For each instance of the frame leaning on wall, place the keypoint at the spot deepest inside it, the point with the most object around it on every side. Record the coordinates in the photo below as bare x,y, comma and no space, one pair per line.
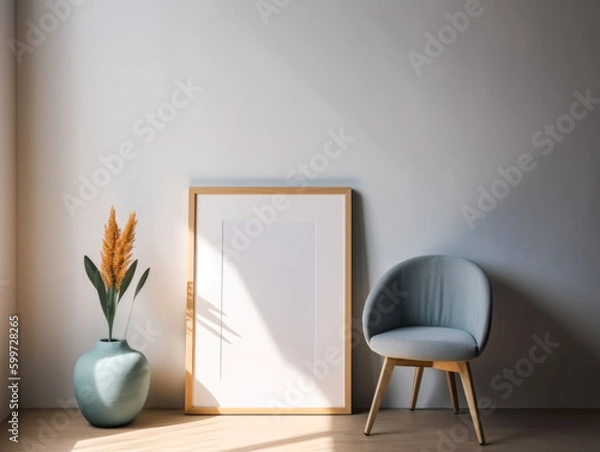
268,323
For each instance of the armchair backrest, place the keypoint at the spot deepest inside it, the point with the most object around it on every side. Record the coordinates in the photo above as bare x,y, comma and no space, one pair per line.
444,291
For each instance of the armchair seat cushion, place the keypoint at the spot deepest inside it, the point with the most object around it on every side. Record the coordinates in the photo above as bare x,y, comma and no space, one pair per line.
425,343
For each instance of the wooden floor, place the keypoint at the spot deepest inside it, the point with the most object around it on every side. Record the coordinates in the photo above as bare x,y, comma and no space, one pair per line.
394,430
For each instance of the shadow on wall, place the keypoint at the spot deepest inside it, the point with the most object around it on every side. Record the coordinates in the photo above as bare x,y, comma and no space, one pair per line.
365,364
532,351
530,355
533,357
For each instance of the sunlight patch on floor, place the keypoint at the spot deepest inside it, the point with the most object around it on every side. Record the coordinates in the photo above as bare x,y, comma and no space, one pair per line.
243,434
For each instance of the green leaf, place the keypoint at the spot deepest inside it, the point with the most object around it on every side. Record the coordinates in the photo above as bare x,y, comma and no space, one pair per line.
141,282
101,288
98,282
90,269
127,278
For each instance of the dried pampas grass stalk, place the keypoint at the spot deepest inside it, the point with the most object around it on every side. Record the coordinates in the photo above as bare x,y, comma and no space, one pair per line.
124,250
111,236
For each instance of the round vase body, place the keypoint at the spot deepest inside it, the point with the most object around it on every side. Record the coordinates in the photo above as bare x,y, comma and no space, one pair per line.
111,383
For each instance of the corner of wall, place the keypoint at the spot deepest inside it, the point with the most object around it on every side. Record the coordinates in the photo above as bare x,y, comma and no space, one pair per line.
8,192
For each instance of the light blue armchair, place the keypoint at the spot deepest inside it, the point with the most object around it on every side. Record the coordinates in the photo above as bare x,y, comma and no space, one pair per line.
429,311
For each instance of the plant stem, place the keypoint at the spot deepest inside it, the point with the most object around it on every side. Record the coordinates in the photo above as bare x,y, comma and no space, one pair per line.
129,318
112,308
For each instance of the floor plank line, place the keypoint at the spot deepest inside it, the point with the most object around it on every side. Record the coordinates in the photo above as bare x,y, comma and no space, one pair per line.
420,431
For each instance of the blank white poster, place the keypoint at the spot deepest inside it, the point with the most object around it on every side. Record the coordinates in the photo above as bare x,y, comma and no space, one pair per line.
268,299
270,303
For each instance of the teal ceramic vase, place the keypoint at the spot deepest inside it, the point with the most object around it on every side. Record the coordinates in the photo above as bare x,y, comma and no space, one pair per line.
111,383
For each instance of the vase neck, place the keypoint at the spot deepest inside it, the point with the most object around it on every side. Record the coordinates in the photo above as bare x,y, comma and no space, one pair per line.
114,344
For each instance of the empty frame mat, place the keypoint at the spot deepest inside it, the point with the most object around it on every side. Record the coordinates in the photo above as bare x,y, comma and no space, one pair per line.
269,301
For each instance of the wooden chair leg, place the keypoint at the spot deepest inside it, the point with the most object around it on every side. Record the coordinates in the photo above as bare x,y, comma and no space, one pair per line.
452,388
384,379
467,382
416,386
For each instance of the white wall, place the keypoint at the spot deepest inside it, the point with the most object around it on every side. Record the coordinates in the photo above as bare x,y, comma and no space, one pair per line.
8,196
271,92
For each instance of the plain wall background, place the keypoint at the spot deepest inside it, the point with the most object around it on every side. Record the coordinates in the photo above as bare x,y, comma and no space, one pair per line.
271,92
8,186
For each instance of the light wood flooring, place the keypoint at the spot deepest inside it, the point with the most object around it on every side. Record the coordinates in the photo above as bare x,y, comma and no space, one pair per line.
394,430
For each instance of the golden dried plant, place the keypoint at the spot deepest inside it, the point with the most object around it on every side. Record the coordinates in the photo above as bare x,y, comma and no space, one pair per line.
111,236
117,250
124,250
116,269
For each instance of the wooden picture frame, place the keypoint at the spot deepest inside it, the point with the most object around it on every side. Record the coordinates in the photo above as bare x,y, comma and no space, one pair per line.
268,324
